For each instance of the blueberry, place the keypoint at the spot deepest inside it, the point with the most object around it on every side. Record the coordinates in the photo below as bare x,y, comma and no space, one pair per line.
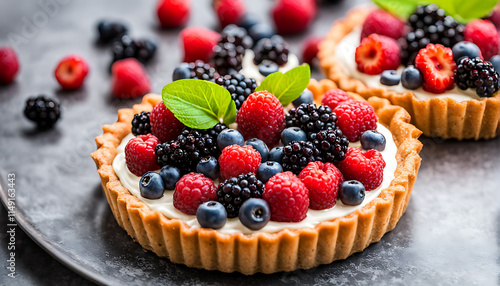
268,67
276,154
211,214
411,78
109,30
209,166
151,186
229,137
372,139
465,49
495,61
254,213
305,97
352,193
170,176
390,77
292,134
248,21
260,146
181,72
260,31
267,170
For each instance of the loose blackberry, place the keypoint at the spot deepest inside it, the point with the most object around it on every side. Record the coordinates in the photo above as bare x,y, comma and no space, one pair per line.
239,86
126,47
233,192
42,110
478,74
274,49
202,70
237,36
227,58
332,144
311,119
298,154
141,124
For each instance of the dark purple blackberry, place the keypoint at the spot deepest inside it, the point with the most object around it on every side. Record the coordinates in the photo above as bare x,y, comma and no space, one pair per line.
173,153
227,58
110,30
42,110
332,144
237,36
233,192
298,154
274,49
141,124
478,74
126,47
239,86
202,70
311,119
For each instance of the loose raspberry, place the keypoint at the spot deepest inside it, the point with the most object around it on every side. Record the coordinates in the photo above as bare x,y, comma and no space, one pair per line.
485,35
287,197
436,64
382,23
236,160
292,16
334,97
140,154
198,43
310,49
9,65
367,167
261,116
129,79
377,53
323,182
173,13
354,118
229,11
191,191
164,125
71,72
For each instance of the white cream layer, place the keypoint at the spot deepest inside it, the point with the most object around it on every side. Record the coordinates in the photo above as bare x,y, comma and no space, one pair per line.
249,69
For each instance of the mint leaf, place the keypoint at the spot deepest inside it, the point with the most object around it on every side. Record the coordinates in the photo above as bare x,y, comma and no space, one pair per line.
198,103
287,87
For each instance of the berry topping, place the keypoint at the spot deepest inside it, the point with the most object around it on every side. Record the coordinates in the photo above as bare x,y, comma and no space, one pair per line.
238,86
436,64
126,47
9,65
333,97
366,167
164,125
274,49
211,214
354,118
311,119
376,54
306,97
172,13
310,49
411,78
298,154
198,43
260,31
260,146
254,213
170,176
140,154
291,16
236,160
331,143
197,70
465,49
191,191
478,74
372,139
352,193
42,110
485,35
227,58
229,137
267,170
323,181
182,72
390,78
248,21
229,11
495,61
382,23
129,79
110,30
233,192
71,72
209,166
287,196
141,124
151,186
268,67
276,154
292,134
237,36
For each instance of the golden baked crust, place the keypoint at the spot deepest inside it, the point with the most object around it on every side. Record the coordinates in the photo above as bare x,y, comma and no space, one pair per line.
436,117
285,250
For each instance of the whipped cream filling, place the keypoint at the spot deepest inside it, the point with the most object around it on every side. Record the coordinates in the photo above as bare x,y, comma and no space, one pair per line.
233,225
249,69
345,55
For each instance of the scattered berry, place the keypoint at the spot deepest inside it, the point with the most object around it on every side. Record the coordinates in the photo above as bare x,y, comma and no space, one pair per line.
164,125
191,191
276,154
110,30
292,134
170,176
390,78
291,16
211,214
173,13
260,146
140,154
248,21
254,213
298,154
238,86
141,124
478,74
273,49
268,67
229,11
436,64
376,54
9,65
260,31
181,72
311,119
129,79
198,43
237,36
352,193
331,143
485,35
310,49
305,97
126,47
465,49
236,160
151,186
229,137
197,70
371,139
42,110
333,97
233,192
366,167
382,23
287,196
354,118
209,166
71,72
411,78
323,181
227,58
267,170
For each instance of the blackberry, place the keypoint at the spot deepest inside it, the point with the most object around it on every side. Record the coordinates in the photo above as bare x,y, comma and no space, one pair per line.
311,119
227,58
478,74
141,124
274,49
232,193
239,86
172,153
332,144
298,154
201,70
42,110
237,36
109,30
126,47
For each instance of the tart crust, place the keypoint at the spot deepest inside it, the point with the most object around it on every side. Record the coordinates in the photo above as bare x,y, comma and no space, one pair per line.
285,250
436,117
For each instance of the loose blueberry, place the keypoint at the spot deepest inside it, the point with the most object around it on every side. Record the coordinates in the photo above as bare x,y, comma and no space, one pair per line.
209,166
352,193
229,137
181,72
411,78
292,134
305,97
170,176
372,139
260,31
390,78
254,213
276,154
267,170
260,146
211,214
248,21
268,67
465,49
151,186
495,61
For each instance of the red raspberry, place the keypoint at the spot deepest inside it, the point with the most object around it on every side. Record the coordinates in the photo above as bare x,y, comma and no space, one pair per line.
323,181
236,160
129,79
229,11
9,65
198,43
354,118
436,64
164,125
367,167
377,53
292,16
287,197
334,97
261,116
140,154
310,49
71,72
191,191
383,23
485,35
173,13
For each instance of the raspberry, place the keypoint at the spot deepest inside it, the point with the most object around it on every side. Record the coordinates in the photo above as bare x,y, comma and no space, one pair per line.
129,79
42,110
191,191
323,181
287,196
229,11
141,125
236,160
71,72
198,43
261,116
232,193
173,13
367,167
382,23
9,65
334,97
164,125
292,16
485,35
436,64
354,118
310,49
376,54
140,154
